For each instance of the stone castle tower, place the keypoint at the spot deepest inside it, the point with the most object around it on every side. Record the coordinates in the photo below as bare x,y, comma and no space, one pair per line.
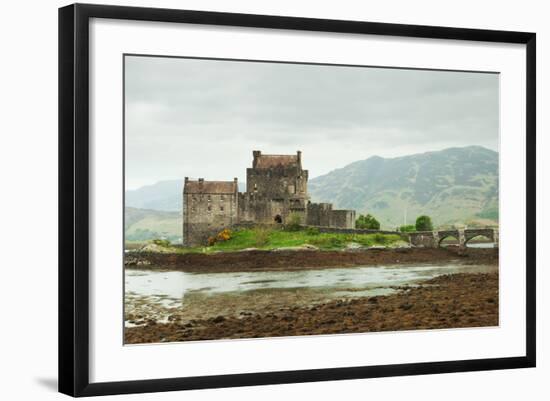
276,188
208,207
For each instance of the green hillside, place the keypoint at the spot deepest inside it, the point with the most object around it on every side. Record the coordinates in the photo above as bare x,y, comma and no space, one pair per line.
453,185
144,224
163,195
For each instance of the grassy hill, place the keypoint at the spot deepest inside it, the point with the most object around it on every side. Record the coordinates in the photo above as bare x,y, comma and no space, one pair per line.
452,185
163,195
145,224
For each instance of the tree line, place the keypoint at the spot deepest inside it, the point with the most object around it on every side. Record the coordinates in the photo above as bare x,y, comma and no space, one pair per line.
369,222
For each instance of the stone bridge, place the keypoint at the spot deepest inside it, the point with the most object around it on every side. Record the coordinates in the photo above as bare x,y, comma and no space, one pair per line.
432,239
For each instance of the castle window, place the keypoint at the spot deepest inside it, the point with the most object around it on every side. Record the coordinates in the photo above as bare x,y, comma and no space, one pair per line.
209,199
209,208
221,208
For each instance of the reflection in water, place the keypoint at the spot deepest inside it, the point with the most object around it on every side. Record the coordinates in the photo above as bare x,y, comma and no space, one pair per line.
445,244
175,285
480,244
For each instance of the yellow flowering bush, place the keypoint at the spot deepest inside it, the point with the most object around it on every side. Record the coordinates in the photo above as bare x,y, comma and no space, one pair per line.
224,235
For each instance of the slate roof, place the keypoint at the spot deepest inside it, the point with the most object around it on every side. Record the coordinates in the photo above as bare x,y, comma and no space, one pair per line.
270,161
210,187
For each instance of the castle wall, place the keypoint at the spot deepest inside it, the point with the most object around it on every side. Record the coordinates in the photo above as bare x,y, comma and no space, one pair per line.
322,215
206,214
318,214
339,230
342,218
254,208
263,210
276,182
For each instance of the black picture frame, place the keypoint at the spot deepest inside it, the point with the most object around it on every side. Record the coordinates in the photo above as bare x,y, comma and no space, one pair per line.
74,198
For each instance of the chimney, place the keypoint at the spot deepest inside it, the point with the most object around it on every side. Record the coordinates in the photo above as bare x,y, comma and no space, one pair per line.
299,157
201,182
256,154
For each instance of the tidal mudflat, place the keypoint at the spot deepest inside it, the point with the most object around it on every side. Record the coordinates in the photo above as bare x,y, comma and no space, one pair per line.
163,305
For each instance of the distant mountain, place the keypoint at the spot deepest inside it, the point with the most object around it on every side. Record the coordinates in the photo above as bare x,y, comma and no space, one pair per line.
144,224
164,195
452,185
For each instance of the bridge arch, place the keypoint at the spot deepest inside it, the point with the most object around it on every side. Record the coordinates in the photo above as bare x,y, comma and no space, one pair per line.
447,234
487,233
446,237
489,240
434,239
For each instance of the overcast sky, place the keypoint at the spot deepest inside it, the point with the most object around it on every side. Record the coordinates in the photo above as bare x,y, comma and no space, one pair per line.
203,118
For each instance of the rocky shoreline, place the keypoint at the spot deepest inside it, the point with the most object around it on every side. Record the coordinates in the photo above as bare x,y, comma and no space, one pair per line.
257,260
449,301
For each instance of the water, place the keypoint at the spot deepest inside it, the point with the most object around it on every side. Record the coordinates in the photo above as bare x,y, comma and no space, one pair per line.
480,245
169,287
470,244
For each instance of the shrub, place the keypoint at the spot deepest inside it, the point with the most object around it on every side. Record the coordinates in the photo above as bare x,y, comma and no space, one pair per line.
294,222
224,235
367,222
424,223
312,231
407,228
161,242
380,238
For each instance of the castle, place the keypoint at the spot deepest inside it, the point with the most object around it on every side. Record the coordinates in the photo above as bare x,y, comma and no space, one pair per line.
276,188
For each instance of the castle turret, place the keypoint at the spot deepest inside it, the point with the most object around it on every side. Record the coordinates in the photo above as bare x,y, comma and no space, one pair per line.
256,155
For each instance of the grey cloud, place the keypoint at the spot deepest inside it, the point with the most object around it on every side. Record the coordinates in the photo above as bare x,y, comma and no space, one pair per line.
224,109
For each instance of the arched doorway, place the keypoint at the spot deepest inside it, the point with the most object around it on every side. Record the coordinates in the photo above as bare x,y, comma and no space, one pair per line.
278,219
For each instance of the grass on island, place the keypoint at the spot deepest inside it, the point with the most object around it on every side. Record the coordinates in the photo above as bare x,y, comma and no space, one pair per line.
267,238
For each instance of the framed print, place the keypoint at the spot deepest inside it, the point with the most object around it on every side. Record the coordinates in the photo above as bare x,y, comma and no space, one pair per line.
251,199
